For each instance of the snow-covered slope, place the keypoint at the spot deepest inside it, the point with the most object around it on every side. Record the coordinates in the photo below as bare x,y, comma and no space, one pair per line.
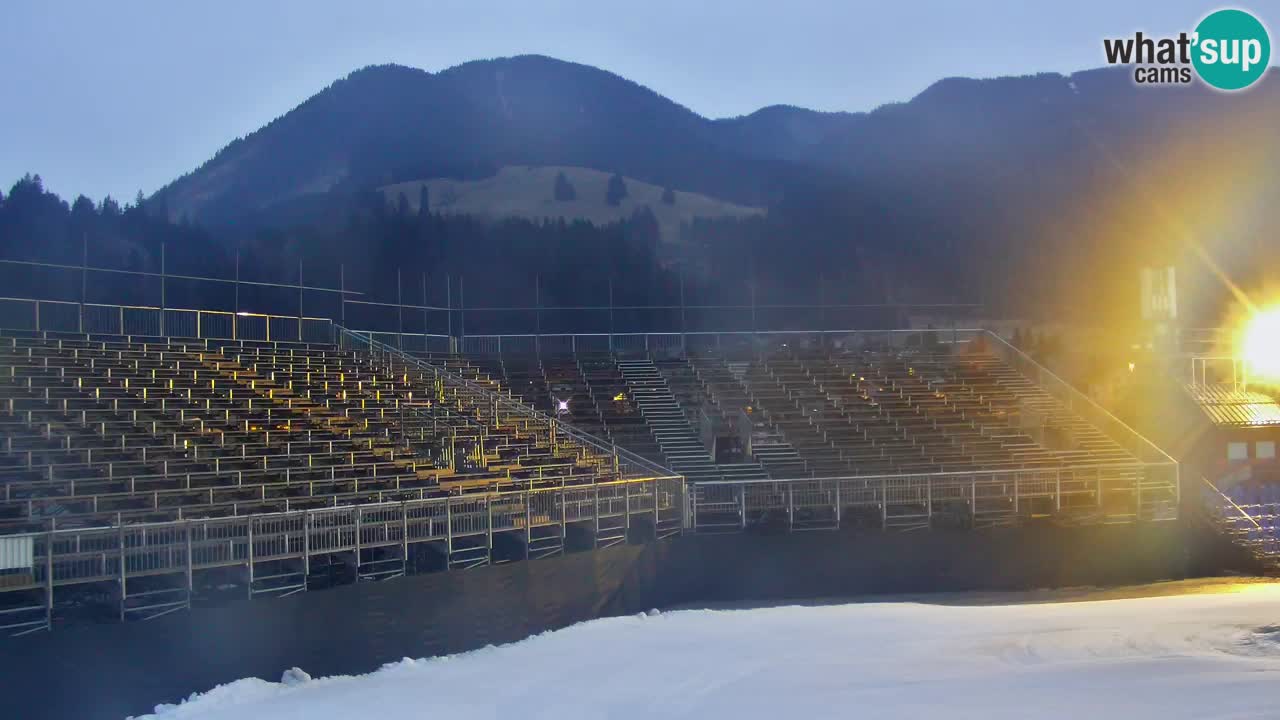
1193,656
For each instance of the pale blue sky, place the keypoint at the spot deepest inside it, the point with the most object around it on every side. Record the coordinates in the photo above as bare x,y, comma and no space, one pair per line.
102,97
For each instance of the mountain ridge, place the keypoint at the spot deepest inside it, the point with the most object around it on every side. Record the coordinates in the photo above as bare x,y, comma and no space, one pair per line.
1021,184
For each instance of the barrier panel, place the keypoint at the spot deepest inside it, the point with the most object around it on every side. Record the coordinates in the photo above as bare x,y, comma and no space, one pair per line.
61,558
58,316
1121,492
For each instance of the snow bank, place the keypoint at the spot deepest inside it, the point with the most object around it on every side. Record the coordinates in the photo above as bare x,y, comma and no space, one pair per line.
1169,657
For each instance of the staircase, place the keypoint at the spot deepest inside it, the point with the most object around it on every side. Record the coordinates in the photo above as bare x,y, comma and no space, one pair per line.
678,442
693,396
1249,518
724,383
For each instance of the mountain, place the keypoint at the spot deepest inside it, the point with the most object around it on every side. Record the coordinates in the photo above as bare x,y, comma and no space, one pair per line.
1059,188
388,124
784,132
1005,191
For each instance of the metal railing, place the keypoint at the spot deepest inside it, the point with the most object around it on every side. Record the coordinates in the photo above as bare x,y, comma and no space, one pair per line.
700,340
59,316
120,554
1120,492
1143,490
1079,403
1243,528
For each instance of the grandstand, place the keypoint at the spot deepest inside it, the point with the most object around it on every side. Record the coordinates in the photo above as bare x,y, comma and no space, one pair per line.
269,457
1231,444
142,472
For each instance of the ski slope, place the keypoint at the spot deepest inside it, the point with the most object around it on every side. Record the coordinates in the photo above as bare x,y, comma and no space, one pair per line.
1189,656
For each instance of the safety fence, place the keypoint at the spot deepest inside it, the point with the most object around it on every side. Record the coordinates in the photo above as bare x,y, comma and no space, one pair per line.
126,553
57,316
1110,493
708,341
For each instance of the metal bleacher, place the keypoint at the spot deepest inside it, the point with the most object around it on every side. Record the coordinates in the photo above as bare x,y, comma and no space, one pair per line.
1248,513
874,413
142,462
148,470
881,413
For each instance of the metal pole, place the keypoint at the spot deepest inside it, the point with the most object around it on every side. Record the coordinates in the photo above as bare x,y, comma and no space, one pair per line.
249,560
306,550
822,308
299,300
400,310
404,529
342,293
462,313
84,279
610,313
162,289
190,562
48,576
537,314
448,303
235,319
684,340
124,582
425,321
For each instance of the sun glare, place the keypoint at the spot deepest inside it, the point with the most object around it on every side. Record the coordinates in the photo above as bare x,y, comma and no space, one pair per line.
1260,345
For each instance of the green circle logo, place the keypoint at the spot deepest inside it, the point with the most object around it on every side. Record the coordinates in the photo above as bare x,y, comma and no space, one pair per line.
1232,49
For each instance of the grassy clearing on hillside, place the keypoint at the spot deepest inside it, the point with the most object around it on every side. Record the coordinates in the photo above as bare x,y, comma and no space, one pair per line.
529,192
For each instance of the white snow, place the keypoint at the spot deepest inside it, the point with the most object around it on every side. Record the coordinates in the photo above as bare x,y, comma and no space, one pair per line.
1189,656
